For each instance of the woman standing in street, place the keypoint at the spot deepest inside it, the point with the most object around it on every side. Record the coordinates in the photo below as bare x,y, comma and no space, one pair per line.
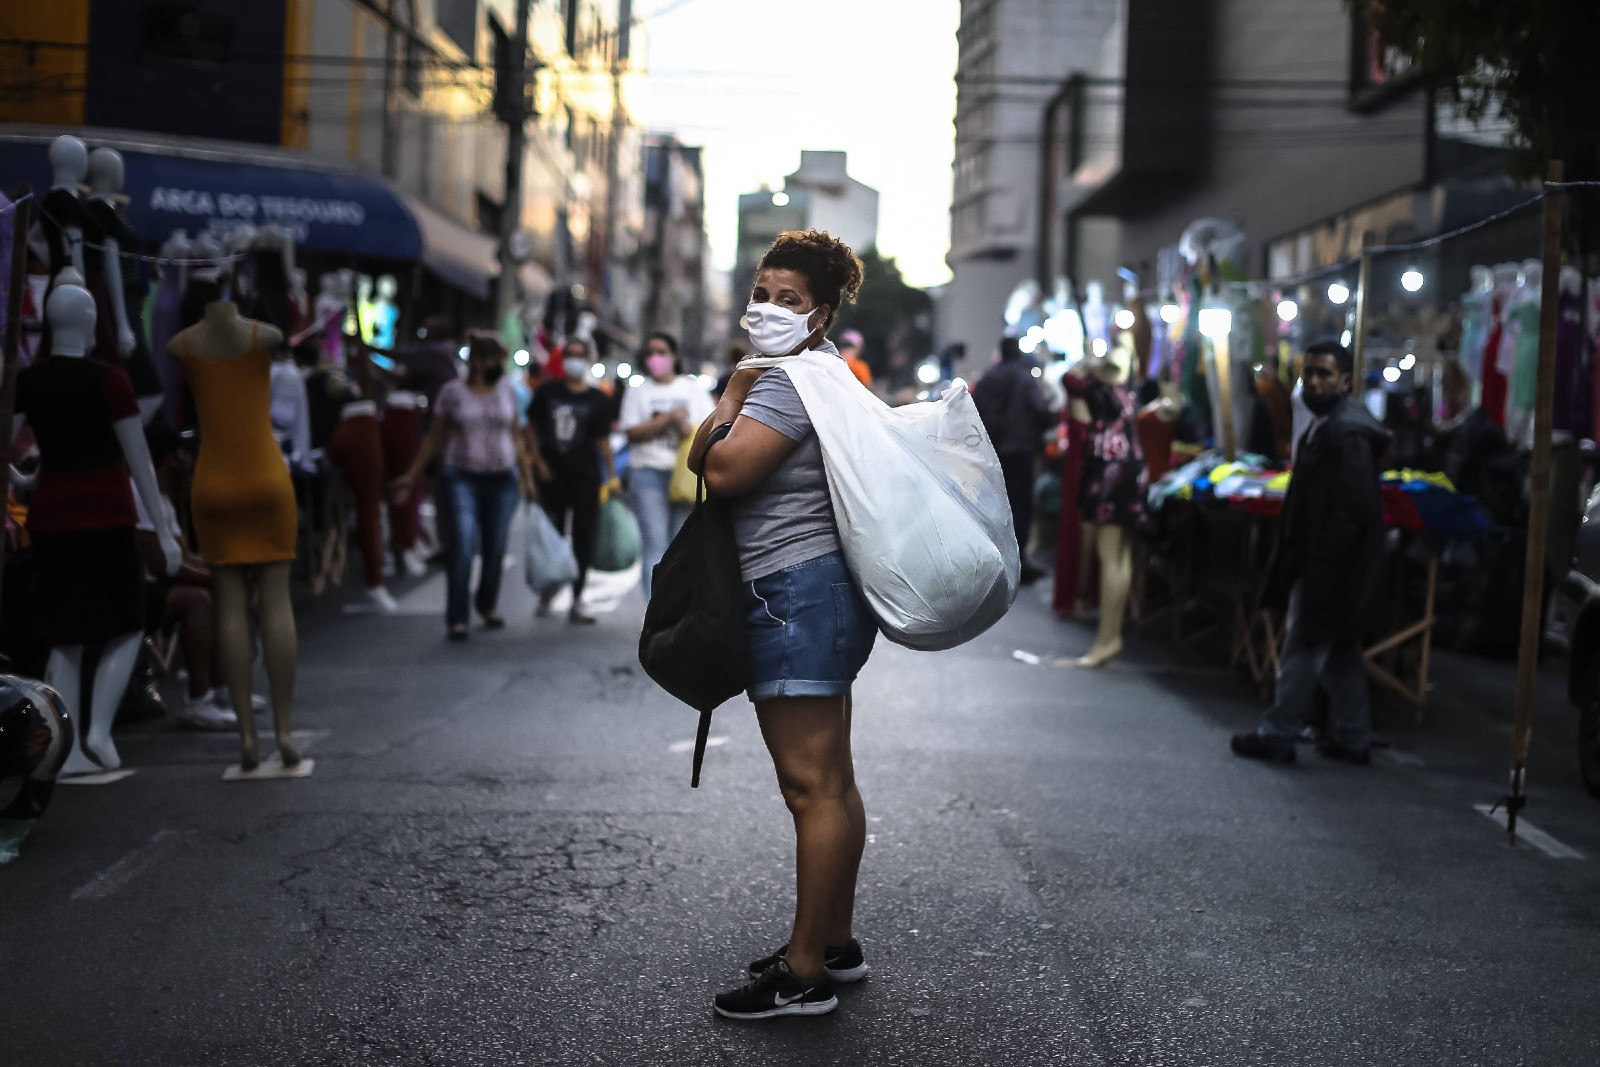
810,630
569,432
475,427
657,416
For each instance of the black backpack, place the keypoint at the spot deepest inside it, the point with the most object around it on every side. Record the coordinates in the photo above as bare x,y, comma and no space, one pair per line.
694,643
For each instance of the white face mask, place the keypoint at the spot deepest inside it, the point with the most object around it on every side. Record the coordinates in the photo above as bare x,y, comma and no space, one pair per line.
775,330
575,368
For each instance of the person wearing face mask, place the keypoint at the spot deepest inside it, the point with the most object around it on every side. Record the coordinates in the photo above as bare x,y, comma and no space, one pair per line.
1326,569
656,416
475,428
810,630
569,433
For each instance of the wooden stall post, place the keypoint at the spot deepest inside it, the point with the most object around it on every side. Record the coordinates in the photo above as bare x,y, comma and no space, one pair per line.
1539,513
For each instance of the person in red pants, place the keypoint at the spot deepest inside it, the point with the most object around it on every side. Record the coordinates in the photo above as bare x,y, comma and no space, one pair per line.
402,438
357,450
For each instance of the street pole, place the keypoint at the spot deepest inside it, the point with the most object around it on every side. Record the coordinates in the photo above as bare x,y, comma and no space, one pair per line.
516,148
1358,339
1539,512
12,352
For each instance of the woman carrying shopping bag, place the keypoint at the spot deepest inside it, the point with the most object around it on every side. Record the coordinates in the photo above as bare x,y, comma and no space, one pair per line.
569,432
810,631
658,416
475,427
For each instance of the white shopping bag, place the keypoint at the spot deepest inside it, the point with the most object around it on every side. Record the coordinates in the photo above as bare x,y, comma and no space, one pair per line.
547,559
920,501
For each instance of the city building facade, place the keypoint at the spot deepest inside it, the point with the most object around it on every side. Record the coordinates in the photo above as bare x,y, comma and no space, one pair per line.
820,195
333,114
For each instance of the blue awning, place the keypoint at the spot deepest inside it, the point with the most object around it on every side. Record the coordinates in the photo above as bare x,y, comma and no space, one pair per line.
328,211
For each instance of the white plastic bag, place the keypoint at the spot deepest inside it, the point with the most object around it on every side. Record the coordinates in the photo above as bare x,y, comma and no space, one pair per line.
920,501
547,559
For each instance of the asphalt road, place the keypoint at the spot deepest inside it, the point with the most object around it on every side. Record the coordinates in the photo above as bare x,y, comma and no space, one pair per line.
499,861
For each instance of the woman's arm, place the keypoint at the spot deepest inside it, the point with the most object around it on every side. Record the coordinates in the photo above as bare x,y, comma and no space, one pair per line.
743,460
433,443
726,411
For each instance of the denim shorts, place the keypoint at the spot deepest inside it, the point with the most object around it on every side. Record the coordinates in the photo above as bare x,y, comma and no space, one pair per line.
810,630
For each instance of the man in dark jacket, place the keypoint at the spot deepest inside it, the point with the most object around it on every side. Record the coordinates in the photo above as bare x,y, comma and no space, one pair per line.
1327,567
1015,412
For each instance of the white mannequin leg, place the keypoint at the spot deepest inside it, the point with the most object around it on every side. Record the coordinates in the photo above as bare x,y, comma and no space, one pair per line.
63,674
95,751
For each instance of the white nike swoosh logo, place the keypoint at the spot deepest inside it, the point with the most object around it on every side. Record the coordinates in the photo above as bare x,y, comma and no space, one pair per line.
783,1001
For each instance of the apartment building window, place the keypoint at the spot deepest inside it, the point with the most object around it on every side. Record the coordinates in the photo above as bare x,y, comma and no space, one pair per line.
186,34
1379,71
459,21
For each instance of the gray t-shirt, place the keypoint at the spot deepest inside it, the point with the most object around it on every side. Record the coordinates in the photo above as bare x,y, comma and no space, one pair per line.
788,518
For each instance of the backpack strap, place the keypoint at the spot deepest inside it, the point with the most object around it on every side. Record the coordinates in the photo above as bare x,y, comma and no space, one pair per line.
700,735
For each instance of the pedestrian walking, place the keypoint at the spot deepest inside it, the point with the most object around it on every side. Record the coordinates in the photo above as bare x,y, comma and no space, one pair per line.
485,470
569,433
1015,412
850,343
810,631
657,416
1326,568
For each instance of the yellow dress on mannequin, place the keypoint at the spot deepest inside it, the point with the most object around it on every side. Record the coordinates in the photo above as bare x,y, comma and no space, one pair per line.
243,499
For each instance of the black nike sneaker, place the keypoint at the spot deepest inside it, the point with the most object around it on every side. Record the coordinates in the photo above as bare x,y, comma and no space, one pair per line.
776,991
844,963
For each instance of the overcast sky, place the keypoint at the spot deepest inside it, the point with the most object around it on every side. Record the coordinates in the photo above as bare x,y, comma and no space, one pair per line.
754,83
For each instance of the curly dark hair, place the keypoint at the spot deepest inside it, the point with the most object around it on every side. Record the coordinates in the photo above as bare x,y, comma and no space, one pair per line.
831,269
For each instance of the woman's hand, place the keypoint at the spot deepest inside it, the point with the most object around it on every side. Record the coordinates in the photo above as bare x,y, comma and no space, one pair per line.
530,488
743,380
401,489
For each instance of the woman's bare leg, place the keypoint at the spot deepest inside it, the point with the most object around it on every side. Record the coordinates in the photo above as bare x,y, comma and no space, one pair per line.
809,739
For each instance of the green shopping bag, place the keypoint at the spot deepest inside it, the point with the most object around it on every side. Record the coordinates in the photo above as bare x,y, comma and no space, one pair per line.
616,546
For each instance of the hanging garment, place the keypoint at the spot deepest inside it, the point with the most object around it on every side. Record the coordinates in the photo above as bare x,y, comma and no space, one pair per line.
1495,386
81,522
103,224
1114,475
1524,386
1475,322
165,322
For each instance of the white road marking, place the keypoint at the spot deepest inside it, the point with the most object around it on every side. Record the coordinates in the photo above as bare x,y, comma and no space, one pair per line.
127,868
688,746
1530,833
100,778
1405,759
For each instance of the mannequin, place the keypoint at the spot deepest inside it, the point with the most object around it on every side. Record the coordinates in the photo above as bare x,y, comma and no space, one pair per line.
1476,312
35,737
384,314
271,258
63,219
1569,344
1495,384
365,308
1158,429
117,283
1519,352
1096,315
330,317
299,304
244,512
89,433
166,319
1112,496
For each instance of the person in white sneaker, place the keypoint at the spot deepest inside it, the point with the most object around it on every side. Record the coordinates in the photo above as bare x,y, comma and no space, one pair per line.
183,598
